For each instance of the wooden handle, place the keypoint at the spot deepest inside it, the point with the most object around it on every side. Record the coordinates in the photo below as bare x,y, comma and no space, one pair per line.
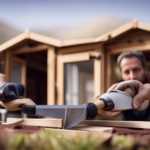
100,104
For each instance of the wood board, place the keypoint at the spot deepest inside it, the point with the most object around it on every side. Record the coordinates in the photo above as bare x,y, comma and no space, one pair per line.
44,122
84,125
112,123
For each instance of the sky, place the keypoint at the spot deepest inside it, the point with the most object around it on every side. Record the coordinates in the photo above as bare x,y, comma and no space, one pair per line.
36,14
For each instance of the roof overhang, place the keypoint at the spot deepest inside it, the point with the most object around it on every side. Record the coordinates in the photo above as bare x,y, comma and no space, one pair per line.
27,35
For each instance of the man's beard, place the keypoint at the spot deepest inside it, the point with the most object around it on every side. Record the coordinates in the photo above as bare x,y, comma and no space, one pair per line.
144,79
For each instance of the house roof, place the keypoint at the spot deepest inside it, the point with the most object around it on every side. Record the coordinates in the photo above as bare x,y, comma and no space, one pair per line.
61,43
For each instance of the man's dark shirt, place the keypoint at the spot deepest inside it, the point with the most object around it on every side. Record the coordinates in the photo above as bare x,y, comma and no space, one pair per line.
135,115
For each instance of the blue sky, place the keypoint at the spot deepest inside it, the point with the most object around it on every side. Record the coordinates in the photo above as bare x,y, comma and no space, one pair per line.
36,14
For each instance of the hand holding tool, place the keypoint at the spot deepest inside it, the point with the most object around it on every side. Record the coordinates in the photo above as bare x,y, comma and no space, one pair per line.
9,91
11,96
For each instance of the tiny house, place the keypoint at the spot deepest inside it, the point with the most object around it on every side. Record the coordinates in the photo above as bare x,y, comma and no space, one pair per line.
70,71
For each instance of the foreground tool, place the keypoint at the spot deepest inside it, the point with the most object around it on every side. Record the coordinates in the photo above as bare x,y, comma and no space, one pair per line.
74,114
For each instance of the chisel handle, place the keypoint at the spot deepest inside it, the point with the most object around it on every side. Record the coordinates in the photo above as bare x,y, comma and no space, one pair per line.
100,104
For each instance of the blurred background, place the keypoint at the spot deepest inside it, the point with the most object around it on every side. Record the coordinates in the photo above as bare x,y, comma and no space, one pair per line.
68,19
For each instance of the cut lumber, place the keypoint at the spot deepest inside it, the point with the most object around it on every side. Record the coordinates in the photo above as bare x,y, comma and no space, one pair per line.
54,123
112,123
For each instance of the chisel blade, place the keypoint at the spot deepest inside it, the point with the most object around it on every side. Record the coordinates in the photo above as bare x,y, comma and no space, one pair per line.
70,114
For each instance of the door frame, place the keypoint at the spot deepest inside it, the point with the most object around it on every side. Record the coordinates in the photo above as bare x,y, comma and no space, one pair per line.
72,58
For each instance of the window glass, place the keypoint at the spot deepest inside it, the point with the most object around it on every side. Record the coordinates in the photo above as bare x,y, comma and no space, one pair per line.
16,72
79,82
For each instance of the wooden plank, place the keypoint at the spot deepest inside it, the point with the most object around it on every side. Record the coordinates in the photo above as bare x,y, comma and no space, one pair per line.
108,70
112,123
134,36
23,76
45,39
78,48
143,26
121,29
26,49
60,83
97,72
7,66
55,123
51,76
118,48
12,42
97,77
69,58
103,70
116,32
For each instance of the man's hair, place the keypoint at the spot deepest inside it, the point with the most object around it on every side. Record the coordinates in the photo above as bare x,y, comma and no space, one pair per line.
130,54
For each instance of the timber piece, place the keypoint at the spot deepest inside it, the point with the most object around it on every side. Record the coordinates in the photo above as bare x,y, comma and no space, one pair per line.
51,73
7,66
54,123
111,123
118,48
77,49
97,77
27,49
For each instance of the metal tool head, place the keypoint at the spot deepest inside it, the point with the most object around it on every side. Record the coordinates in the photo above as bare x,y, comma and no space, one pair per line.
70,114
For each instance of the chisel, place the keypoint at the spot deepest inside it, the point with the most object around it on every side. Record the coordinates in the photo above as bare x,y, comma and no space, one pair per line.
74,114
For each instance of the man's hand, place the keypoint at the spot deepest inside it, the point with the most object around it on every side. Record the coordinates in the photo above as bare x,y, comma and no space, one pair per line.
129,90
142,93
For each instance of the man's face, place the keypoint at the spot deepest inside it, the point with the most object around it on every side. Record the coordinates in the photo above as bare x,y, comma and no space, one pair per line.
132,69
